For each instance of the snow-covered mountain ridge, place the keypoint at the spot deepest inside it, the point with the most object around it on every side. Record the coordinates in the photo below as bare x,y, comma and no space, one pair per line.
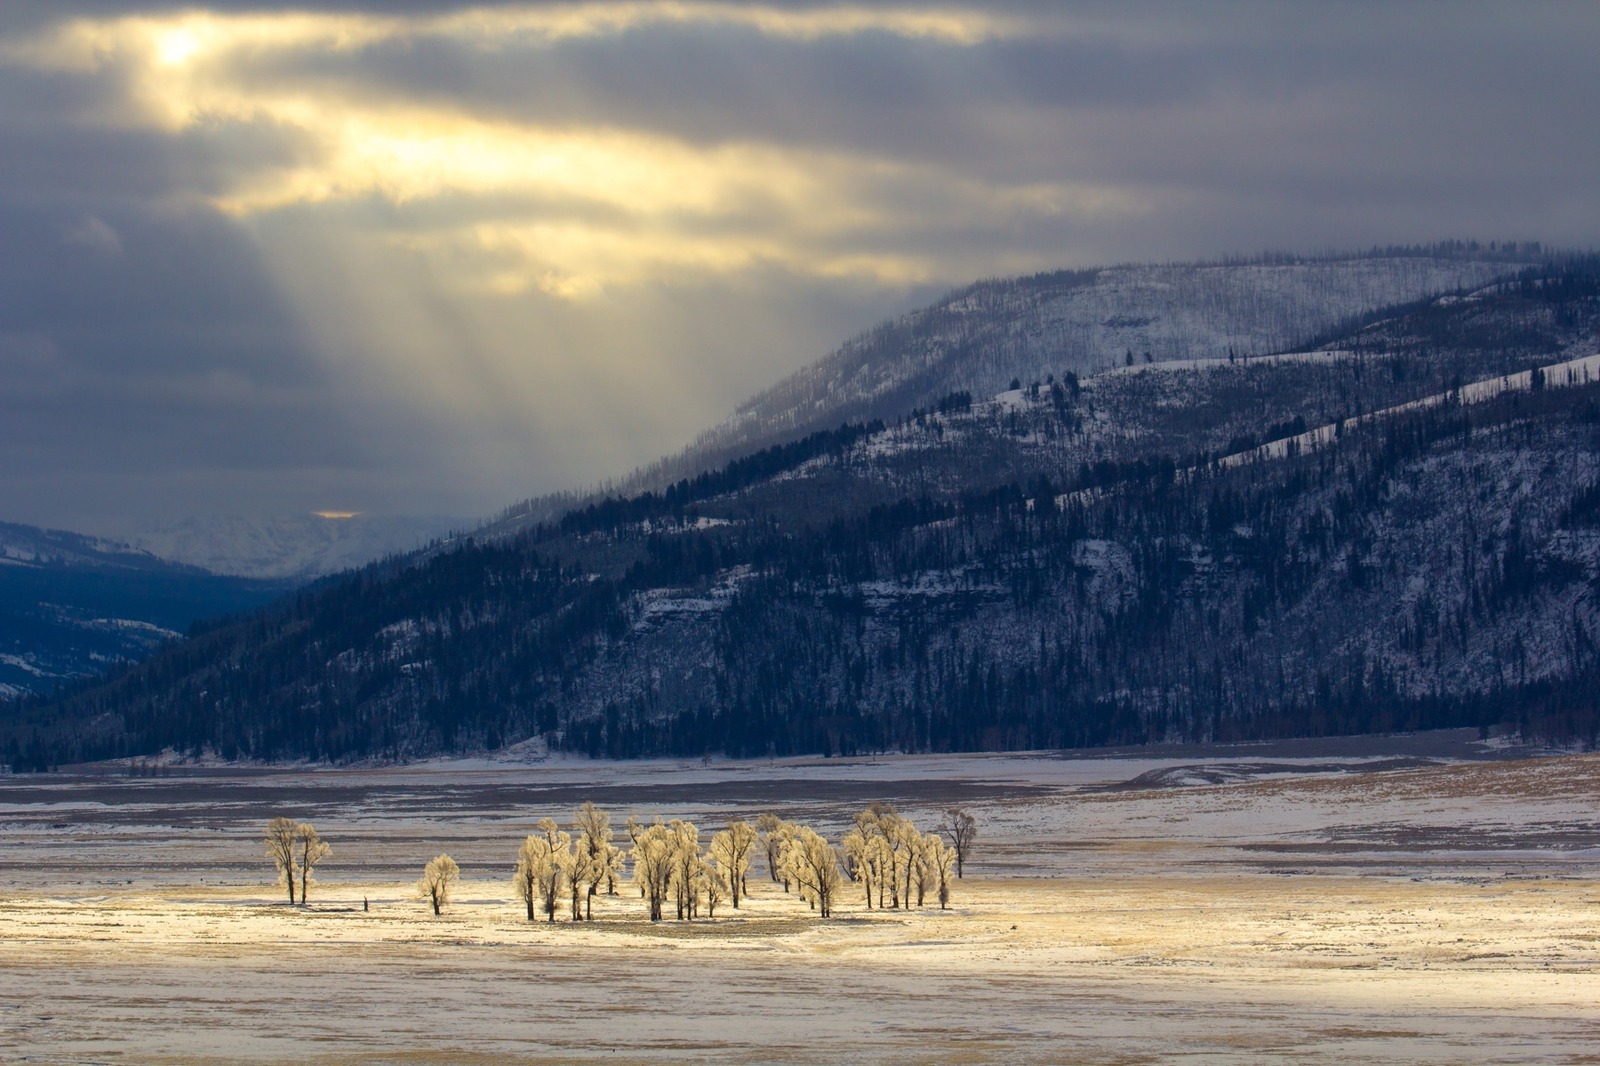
292,547
1396,527
982,337
31,546
73,605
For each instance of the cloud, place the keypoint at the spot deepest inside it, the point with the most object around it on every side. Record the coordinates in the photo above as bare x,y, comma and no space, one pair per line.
602,203
432,257
92,233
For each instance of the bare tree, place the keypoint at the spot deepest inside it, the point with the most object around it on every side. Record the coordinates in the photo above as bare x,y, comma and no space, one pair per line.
733,849
438,878
653,850
686,863
635,829
716,880
940,863
280,840
962,829
599,860
870,851
768,826
526,879
858,864
555,863
313,849
912,846
813,864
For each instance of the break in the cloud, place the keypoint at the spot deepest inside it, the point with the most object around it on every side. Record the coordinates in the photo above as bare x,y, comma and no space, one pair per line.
422,257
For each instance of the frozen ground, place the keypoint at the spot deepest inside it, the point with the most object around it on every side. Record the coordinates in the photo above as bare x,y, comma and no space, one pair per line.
1389,902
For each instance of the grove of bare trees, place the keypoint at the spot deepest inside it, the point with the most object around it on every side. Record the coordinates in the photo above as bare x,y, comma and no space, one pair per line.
895,863
886,852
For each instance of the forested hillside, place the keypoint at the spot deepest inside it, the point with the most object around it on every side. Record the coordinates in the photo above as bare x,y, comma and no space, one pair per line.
71,605
979,338
1388,529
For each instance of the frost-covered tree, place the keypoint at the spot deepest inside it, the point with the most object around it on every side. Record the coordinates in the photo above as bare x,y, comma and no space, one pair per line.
888,849
635,829
554,856
913,846
312,850
280,841
962,829
716,881
599,860
869,854
940,863
654,848
776,838
857,849
813,865
768,826
733,849
526,878
686,867
438,880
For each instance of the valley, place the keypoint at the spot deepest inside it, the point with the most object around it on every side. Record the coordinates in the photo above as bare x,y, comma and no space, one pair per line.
1257,903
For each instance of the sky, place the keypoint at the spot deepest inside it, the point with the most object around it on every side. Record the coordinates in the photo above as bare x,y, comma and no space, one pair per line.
406,258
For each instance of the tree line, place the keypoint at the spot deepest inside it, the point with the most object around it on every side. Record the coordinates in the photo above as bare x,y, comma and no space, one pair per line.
892,861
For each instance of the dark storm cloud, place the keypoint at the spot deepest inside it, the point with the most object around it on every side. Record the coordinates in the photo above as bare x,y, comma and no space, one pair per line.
355,334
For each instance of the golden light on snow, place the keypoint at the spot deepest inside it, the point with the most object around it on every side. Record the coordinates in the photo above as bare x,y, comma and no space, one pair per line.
1426,914
335,514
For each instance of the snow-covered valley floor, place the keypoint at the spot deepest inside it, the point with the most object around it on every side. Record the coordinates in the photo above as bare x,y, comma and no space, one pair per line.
1252,906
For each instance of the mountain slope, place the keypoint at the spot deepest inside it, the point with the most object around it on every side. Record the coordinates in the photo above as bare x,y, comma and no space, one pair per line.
1097,558
982,337
71,605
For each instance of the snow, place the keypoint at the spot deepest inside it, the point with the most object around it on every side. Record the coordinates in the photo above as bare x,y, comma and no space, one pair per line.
1177,313
292,546
1568,373
136,626
24,665
1310,907
655,605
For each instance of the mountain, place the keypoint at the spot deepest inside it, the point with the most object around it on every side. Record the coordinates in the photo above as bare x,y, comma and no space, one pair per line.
71,605
293,547
1395,525
980,338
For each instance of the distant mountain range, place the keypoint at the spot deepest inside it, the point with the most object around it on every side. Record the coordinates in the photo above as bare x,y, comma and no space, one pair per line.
1225,501
294,547
72,606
